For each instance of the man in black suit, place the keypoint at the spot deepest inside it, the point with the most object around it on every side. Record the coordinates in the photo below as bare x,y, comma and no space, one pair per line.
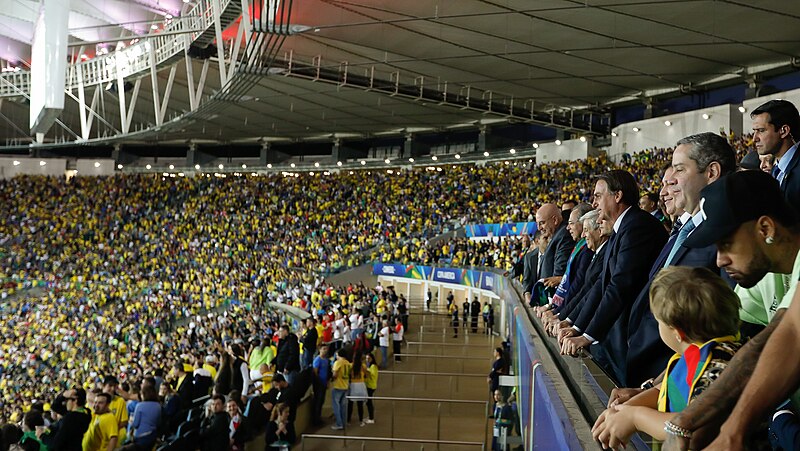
638,238
530,262
596,234
214,434
550,221
698,161
775,125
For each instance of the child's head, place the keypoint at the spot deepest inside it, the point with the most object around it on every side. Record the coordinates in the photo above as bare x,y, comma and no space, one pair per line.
693,305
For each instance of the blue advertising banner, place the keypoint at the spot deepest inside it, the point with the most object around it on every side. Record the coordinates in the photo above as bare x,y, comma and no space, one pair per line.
448,275
507,229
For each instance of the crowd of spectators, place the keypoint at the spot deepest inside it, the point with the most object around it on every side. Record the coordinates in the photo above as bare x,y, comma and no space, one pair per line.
148,277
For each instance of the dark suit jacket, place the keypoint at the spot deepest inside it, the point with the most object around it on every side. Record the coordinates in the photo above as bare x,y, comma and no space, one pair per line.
577,271
531,268
632,251
573,302
214,432
647,355
791,181
557,253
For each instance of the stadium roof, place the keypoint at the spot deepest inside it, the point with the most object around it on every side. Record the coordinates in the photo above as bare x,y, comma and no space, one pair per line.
365,68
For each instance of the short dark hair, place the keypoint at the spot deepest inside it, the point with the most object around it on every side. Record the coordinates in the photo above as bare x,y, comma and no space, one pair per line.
80,396
32,419
652,196
622,181
708,147
781,112
218,397
103,395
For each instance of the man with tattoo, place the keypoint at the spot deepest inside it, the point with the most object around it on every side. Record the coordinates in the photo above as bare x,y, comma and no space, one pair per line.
758,240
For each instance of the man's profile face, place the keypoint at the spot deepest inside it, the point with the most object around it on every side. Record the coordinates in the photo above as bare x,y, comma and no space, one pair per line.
740,255
667,194
689,180
100,405
604,200
765,137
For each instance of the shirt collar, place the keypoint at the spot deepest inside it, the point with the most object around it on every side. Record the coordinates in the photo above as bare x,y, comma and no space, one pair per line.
783,164
618,222
684,218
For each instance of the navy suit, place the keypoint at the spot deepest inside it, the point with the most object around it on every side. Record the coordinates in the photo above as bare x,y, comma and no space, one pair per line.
605,311
791,181
647,355
557,253
574,300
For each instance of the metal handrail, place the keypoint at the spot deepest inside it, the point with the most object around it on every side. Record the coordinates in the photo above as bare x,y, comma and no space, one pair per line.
391,398
433,343
431,356
426,373
389,439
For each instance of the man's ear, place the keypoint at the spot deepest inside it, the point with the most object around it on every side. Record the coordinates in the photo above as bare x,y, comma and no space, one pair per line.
713,171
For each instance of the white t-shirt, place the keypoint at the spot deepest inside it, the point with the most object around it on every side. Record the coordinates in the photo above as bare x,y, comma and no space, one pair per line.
398,336
356,321
384,338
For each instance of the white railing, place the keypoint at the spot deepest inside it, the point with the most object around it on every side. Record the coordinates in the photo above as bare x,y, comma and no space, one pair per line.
134,59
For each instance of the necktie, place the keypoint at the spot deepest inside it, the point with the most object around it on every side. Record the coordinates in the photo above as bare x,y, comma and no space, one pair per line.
776,172
685,230
676,227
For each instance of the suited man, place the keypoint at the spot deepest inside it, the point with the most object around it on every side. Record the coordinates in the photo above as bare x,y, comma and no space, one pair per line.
596,234
530,264
698,161
554,263
637,240
183,384
578,261
776,131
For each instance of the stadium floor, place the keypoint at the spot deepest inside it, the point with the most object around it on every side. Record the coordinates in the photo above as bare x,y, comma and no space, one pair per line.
457,372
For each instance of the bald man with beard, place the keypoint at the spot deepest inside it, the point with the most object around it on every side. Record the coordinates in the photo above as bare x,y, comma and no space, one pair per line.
552,225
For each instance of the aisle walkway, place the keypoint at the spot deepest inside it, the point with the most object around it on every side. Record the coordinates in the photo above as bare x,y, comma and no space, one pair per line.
435,367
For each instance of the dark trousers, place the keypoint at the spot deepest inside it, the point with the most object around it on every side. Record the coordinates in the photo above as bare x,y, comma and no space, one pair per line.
370,407
474,324
396,349
319,400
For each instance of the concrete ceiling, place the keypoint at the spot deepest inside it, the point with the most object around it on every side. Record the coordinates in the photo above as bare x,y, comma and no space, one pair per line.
552,54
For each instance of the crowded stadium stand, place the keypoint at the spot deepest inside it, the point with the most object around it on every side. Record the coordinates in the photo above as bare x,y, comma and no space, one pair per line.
327,225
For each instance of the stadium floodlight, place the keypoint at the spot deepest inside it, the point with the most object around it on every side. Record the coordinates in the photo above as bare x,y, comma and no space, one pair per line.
363,162
668,123
244,166
338,163
16,163
513,151
583,139
614,134
269,165
171,167
742,109
434,158
197,167
221,166
119,166
558,142
148,167
292,165
387,161
42,163
316,164
458,156
535,145
706,116
636,129
486,154
411,160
